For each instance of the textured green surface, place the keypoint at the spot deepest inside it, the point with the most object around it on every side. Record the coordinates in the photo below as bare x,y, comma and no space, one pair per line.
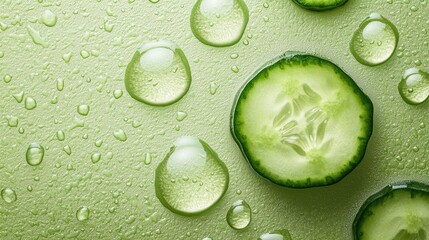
63,183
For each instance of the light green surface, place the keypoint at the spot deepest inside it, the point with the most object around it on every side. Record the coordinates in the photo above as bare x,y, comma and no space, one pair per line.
63,183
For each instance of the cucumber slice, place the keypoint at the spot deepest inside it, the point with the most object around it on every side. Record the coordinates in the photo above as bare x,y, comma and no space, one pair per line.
302,122
319,5
398,212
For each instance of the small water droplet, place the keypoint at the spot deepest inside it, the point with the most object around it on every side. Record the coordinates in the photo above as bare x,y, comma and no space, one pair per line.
82,214
7,78
21,130
29,188
374,28
30,103
234,56
19,96
235,69
414,86
8,195
84,54
67,149
108,26
153,1
147,159
266,5
158,74
238,192
60,84
181,116
35,153
12,121
213,88
1,54
190,158
67,57
96,157
120,135
61,135
98,143
83,109
219,23
36,37
117,93
276,235
49,18
239,215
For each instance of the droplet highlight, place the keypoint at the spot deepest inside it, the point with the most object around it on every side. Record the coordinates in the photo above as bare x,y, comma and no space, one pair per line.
8,195
276,235
158,74
414,86
375,41
219,23
191,178
35,154
239,215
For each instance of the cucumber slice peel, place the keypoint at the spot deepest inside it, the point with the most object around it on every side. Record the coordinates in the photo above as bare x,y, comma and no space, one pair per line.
397,212
302,122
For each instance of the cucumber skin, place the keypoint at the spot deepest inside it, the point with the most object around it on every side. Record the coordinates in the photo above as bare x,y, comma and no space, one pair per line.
293,57
318,8
411,186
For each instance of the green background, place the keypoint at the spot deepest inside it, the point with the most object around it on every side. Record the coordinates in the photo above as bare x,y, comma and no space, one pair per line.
124,184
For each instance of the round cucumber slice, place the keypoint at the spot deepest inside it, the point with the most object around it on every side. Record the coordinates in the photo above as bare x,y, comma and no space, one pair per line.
302,122
320,5
398,212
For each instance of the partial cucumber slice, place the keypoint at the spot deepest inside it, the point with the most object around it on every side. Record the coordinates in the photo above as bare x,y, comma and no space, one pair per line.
320,5
302,122
398,212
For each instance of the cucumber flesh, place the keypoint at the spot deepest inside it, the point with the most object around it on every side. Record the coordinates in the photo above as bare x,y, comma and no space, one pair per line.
320,5
302,122
398,212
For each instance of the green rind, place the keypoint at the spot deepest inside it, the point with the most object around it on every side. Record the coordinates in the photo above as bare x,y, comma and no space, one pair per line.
411,186
353,162
319,7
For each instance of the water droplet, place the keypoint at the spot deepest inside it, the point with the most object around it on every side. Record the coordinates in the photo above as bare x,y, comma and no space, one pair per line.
120,135
49,18
60,84
158,74
29,188
1,54
414,86
181,116
8,195
153,1
147,159
12,121
98,143
7,78
117,93
213,88
234,56
36,37
83,109
21,130
35,153
67,149
61,135
207,238
67,57
276,235
239,215
19,96
30,103
96,157
190,158
219,23
235,69
84,54
266,5
374,28
82,214
108,26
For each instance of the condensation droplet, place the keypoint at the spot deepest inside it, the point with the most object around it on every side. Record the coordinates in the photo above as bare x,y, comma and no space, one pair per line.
35,153
239,215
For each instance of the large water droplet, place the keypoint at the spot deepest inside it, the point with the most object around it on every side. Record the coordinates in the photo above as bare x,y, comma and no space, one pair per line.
82,214
158,74
49,18
219,23
35,153
8,195
120,135
191,178
83,109
414,86
30,103
374,41
276,235
239,215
